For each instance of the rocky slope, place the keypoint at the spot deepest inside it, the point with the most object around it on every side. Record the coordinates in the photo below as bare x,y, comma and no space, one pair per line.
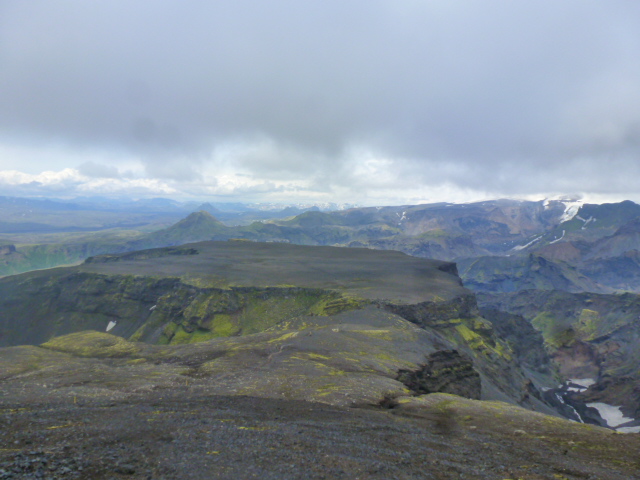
162,434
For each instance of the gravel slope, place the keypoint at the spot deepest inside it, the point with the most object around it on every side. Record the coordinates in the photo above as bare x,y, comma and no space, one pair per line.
173,435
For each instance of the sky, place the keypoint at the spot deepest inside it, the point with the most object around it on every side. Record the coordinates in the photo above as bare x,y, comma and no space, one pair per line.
370,102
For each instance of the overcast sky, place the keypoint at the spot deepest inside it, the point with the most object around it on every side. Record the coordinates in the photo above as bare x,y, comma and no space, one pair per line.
361,101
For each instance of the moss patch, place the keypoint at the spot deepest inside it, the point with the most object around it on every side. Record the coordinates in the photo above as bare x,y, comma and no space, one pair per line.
588,324
92,344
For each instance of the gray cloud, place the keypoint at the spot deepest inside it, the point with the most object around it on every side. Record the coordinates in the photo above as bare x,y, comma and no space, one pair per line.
511,97
96,170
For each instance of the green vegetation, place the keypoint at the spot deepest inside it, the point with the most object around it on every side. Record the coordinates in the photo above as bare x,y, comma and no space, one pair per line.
483,341
588,324
214,313
93,344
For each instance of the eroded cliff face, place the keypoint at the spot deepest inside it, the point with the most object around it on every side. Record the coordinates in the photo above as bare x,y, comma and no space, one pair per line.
152,310
36,308
445,371
499,362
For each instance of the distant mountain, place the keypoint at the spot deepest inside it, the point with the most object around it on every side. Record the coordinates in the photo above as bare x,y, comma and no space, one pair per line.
195,227
612,260
207,207
625,239
467,233
594,221
44,215
589,223
596,248
36,203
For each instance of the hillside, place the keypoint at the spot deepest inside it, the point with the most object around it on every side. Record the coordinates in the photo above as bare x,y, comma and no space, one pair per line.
601,242
182,433
525,272
195,227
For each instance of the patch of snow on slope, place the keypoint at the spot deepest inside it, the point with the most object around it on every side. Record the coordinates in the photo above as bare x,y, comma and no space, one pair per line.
522,247
570,210
628,430
558,239
586,222
583,382
612,415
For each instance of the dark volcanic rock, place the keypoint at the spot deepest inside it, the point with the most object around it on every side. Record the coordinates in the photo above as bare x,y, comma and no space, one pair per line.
433,313
446,371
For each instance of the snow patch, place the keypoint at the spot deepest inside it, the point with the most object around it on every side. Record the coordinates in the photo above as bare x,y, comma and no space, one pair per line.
522,247
558,239
110,325
610,414
570,210
586,222
583,382
579,384
576,389
628,429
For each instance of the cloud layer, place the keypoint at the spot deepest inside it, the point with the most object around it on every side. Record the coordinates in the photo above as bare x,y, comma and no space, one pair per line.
361,100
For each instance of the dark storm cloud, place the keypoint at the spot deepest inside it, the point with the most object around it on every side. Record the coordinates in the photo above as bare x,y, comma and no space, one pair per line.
504,96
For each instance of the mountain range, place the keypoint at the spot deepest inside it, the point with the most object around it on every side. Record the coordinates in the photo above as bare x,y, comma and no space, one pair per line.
500,246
